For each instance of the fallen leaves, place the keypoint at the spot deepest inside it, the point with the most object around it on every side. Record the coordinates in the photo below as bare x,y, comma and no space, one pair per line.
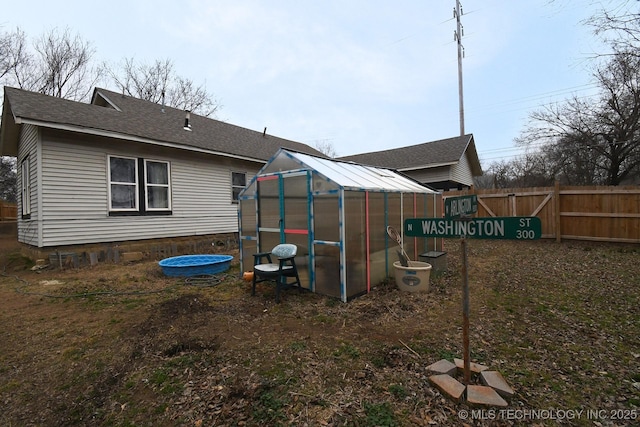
561,322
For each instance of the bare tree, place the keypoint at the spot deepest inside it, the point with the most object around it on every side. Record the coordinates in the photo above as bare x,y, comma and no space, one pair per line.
499,174
186,96
485,180
618,27
147,82
571,164
60,64
532,170
325,147
12,53
61,67
159,83
603,132
595,140
528,170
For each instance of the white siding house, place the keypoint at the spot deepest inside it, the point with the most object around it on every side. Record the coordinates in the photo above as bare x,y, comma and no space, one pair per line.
122,169
28,201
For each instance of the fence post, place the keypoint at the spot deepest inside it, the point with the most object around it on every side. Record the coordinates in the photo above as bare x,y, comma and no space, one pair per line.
556,210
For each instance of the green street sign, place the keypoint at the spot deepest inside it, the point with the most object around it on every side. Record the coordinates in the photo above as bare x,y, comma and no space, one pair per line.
510,227
455,207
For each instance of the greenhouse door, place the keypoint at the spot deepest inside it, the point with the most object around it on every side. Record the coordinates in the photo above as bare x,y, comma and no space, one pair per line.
283,214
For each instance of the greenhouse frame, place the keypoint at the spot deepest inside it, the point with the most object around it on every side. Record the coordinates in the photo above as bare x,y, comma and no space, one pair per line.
337,213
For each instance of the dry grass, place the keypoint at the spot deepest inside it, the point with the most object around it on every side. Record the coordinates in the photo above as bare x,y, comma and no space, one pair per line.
124,345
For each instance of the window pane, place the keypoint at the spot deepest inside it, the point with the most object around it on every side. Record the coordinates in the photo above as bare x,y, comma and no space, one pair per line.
236,193
158,197
123,196
238,182
122,170
157,173
26,187
238,179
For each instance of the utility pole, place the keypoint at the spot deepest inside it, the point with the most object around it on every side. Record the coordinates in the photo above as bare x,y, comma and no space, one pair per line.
466,349
457,13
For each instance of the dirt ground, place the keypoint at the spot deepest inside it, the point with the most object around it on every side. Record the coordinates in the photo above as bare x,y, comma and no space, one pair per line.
125,345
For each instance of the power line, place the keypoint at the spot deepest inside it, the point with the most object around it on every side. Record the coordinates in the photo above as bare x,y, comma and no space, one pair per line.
531,98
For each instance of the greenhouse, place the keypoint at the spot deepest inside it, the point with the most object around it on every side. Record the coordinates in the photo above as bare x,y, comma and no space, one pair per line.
337,214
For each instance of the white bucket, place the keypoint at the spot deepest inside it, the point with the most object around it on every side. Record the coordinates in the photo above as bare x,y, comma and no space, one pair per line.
414,277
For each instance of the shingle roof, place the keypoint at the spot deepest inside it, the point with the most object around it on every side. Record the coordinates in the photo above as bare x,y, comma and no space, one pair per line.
142,120
422,156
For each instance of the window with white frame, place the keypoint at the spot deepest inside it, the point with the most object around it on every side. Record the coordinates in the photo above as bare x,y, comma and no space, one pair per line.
157,185
238,183
123,184
139,186
25,178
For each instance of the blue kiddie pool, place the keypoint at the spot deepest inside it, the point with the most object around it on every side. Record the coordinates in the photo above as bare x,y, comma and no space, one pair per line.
195,265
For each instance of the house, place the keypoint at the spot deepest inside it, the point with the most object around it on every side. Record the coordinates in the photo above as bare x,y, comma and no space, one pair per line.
447,164
121,169
337,214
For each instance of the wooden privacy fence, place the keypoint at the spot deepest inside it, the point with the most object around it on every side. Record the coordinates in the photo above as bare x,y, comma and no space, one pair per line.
608,214
8,211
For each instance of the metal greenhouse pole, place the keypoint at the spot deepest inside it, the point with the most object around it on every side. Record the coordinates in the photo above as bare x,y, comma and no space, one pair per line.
343,255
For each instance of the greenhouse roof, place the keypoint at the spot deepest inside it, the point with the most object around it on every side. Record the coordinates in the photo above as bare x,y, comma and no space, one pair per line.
353,176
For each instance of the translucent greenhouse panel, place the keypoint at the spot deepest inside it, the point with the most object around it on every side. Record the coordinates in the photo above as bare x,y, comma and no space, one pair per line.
326,220
355,244
248,249
408,212
296,205
394,219
250,190
269,202
281,163
302,258
394,215
327,270
248,218
321,184
378,257
268,240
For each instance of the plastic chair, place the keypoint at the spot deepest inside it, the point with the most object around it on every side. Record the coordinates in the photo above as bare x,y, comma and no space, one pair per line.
279,271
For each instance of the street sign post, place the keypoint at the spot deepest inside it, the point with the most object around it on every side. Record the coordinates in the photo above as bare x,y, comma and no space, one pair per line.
456,207
508,227
457,223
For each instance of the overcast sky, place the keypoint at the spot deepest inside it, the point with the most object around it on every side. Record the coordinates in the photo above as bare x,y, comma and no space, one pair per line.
362,75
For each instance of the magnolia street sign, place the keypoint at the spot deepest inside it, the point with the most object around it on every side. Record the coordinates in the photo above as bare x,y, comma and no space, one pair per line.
511,228
455,207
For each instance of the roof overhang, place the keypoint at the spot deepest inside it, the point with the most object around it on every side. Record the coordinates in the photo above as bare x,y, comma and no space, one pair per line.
429,166
472,157
116,135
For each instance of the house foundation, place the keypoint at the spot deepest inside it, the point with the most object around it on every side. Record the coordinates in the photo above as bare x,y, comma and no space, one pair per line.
131,251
